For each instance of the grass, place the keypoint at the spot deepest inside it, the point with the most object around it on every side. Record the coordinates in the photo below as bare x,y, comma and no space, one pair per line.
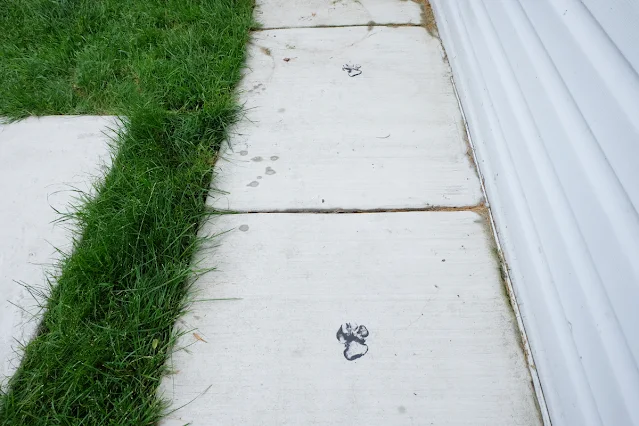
170,67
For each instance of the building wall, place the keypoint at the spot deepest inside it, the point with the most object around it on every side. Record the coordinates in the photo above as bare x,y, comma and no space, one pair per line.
550,91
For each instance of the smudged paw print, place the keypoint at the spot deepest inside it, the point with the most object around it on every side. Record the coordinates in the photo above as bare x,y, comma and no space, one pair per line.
353,337
352,70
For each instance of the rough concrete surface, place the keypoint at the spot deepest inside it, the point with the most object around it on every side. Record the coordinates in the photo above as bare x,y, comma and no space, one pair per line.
442,343
314,13
42,161
313,137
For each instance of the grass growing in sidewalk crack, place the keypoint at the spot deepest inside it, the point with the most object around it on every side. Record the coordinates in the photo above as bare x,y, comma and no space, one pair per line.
170,67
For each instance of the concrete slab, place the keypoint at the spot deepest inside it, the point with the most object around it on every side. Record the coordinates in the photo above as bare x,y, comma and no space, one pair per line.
315,138
41,162
313,13
442,343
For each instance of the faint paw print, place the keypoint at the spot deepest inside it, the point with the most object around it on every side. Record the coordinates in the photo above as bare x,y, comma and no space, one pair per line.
353,337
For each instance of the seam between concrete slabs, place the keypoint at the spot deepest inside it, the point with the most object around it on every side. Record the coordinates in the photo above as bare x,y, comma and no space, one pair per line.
479,209
368,25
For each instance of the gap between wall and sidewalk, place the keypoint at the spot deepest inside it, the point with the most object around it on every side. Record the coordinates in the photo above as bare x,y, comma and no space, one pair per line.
503,265
505,273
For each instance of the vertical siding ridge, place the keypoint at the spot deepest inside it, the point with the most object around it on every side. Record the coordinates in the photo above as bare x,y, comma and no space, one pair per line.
611,197
610,14
604,52
584,55
614,341
588,283
601,171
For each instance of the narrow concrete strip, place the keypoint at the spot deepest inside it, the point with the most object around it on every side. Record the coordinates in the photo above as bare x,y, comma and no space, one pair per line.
439,343
315,138
42,162
314,13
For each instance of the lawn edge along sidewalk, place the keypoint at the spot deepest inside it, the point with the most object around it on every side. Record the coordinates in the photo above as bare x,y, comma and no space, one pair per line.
171,68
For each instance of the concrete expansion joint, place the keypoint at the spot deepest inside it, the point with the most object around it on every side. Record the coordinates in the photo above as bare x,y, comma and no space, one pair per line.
477,208
368,25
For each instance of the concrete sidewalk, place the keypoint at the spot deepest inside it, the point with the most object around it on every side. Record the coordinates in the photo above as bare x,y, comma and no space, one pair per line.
43,162
369,317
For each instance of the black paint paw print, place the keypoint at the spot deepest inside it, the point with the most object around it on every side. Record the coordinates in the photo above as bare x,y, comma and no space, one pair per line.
352,70
353,337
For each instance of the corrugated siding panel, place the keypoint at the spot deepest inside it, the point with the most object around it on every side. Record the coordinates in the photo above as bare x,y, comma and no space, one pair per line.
550,91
